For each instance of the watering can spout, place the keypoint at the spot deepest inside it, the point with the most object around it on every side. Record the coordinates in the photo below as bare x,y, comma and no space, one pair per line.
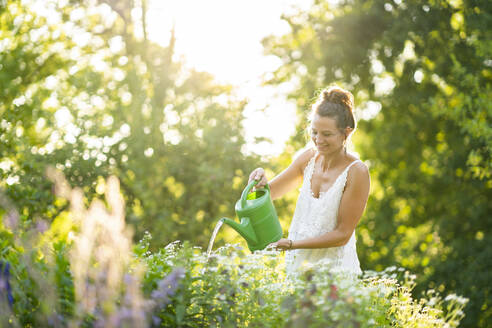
245,229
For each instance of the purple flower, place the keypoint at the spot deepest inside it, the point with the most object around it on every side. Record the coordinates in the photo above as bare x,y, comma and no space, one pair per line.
11,220
4,281
42,226
156,320
168,286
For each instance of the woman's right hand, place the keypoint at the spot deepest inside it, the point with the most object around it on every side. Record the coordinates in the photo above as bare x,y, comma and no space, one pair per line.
259,175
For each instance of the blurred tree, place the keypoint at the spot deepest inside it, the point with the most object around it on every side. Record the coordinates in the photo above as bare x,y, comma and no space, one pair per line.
421,73
81,92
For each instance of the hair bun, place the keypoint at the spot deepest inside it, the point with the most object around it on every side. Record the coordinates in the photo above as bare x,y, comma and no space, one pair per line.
336,103
338,96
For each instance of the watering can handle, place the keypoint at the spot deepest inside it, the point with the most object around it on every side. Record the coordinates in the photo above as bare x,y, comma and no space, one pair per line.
247,190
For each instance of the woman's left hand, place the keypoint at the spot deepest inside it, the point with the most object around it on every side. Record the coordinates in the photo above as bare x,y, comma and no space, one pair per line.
283,244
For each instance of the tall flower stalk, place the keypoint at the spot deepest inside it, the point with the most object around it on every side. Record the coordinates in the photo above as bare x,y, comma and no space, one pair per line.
106,280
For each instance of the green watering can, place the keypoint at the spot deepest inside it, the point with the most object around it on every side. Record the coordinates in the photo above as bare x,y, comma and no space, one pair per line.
259,222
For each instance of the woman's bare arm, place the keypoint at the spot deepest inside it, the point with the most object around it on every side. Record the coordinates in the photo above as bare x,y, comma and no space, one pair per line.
352,206
288,179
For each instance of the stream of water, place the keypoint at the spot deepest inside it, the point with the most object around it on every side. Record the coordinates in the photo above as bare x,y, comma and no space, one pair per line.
214,234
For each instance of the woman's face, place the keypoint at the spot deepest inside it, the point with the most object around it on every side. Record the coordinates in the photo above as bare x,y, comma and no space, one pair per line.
325,135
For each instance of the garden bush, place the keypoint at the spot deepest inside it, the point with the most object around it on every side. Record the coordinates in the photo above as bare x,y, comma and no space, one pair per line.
91,275
235,288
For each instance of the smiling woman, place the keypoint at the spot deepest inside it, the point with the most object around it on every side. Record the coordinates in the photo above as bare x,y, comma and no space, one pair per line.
334,192
338,104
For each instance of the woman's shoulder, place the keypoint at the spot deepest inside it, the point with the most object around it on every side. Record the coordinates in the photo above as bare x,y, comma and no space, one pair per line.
357,169
305,154
302,158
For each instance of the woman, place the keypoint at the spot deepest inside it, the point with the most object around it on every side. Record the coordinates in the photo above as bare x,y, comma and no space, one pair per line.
334,192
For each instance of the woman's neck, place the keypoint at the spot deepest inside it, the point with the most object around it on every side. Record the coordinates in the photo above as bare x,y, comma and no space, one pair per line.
329,161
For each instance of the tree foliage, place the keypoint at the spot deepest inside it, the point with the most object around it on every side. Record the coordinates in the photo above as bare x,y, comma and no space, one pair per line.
81,92
421,75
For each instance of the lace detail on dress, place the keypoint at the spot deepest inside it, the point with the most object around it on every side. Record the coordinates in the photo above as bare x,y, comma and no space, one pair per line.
316,216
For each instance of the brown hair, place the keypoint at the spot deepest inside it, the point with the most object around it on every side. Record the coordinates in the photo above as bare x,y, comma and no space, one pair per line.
336,103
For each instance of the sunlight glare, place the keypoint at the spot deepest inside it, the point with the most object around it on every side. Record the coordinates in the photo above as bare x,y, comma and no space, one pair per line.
221,37
224,38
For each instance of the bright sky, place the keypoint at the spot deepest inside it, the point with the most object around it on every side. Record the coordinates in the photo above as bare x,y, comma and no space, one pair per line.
223,37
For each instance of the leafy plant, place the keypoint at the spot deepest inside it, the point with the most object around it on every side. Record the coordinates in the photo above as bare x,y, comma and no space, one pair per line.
98,278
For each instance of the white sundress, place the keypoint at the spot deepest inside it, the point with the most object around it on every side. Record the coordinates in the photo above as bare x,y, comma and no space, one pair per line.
316,216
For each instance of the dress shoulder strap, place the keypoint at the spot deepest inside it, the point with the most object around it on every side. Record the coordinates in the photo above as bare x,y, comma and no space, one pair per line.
310,166
308,170
348,166
345,172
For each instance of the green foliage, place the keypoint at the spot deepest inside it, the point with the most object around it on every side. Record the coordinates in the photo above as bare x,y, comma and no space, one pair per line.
64,280
232,288
99,279
426,67
80,92
41,282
